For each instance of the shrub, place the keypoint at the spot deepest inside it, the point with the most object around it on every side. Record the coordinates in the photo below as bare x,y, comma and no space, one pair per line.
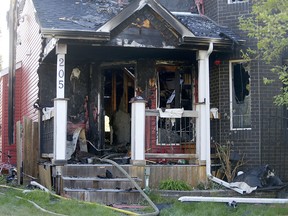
178,185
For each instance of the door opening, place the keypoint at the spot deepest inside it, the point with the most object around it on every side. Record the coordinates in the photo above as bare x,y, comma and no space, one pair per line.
118,90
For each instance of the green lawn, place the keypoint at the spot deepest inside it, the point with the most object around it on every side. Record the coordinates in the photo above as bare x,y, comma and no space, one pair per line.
177,208
16,203
208,208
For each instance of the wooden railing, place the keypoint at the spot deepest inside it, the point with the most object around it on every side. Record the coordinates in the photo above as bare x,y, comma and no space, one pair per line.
170,138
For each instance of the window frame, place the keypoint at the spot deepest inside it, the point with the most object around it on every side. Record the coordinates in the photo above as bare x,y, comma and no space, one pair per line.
231,62
237,1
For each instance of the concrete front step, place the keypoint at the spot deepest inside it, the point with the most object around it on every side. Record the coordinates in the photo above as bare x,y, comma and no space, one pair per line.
98,183
104,196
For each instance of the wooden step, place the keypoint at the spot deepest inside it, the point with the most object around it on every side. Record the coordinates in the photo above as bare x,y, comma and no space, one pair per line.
100,183
93,170
104,196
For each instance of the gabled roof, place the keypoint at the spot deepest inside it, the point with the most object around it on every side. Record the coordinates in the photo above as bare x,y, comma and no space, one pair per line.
96,19
202,26
138,5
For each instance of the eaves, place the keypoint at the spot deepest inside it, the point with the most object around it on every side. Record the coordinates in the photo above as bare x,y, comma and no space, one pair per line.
219,44
75,35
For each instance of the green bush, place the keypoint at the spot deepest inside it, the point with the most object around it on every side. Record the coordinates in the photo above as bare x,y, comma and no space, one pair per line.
174,185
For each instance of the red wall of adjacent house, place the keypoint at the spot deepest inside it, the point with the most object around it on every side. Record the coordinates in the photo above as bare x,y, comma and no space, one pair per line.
6,148
28,51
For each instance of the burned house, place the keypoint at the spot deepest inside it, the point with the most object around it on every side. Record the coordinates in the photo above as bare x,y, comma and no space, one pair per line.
129,49
150,80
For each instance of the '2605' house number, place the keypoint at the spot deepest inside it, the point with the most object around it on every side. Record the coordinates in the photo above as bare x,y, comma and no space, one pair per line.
60,77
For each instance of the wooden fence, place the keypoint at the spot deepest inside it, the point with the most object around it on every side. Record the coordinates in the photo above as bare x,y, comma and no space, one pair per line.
27,139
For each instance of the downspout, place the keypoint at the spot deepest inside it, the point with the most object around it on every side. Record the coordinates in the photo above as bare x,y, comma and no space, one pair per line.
11,74
207,114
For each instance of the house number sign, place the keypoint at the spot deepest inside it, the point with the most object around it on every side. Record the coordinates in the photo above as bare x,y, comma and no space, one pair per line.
60,75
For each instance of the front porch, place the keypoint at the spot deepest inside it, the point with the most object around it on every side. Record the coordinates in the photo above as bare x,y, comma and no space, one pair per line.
154,75
173,158
172,142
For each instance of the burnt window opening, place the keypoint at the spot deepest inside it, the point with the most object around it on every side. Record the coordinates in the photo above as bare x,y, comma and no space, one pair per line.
175,85
175,91
241,83
240,95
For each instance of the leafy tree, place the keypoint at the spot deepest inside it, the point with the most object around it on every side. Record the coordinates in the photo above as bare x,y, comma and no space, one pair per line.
268,23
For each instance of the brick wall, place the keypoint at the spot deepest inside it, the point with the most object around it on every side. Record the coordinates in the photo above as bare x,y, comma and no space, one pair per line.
247,141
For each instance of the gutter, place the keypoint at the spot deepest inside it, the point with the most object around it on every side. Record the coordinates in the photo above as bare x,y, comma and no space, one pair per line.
202,41
73,34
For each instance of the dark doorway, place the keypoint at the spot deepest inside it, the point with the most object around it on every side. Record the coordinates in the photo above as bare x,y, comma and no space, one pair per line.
118,91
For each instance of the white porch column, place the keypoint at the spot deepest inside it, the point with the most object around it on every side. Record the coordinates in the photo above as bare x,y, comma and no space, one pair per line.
60,108
203,106
138,131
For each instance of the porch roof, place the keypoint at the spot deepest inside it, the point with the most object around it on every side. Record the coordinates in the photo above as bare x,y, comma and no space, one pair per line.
94,20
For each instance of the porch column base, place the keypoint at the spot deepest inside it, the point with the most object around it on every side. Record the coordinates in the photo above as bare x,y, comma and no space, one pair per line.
138,162
201,162
138,129
59,162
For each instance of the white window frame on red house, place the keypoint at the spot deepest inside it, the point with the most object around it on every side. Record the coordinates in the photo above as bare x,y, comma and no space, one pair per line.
236,1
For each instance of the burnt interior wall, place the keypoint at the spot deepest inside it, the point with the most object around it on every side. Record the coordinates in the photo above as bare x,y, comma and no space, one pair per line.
95,90
47,84
76,91
145,78
47,91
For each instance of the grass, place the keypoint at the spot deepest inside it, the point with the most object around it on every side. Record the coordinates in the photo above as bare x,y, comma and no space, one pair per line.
13,202
176,208
208,208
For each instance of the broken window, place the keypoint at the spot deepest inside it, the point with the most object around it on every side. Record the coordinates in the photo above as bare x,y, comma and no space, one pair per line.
175,87
175,92
240,96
